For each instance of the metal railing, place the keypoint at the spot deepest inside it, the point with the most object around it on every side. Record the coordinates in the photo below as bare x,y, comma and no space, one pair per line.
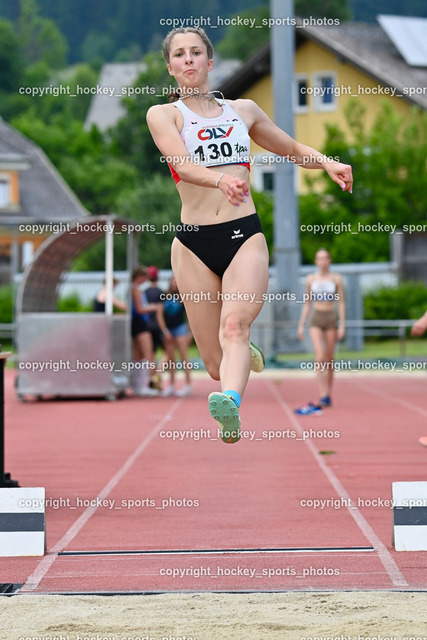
7,330
379,328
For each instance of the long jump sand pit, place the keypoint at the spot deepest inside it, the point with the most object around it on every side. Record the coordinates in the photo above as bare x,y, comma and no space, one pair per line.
217,616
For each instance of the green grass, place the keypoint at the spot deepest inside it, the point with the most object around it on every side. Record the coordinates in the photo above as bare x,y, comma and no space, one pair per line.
372,350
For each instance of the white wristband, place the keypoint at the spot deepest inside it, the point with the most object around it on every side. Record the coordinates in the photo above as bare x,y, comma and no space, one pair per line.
217,182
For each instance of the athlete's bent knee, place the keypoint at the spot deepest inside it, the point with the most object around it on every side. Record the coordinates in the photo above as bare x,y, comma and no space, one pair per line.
234,328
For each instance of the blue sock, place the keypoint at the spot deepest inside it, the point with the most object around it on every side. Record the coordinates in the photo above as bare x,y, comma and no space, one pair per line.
235,396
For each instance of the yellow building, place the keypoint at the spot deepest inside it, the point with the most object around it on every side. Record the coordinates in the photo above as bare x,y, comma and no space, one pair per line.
334,66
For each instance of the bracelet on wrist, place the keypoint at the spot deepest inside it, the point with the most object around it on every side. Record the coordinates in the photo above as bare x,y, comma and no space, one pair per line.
217,182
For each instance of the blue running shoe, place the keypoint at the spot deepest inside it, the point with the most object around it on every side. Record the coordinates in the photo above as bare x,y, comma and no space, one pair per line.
309,410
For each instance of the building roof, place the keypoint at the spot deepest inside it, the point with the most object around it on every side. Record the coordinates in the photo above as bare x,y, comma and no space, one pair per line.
221,70
44,194
105,110
409,36
365,46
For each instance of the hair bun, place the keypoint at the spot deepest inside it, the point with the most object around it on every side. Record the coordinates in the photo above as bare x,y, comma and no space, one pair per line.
174,95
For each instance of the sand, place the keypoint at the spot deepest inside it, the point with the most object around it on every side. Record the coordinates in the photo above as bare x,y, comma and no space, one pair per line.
212,616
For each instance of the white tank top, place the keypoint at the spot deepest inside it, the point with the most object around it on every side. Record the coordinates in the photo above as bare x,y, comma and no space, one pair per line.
215,141
323,290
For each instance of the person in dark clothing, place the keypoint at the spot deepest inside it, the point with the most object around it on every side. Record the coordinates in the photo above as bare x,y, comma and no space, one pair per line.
176,322
161,338
101,296
145,367
153,294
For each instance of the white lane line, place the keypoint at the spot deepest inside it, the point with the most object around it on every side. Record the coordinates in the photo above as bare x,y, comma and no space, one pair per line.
47,561
384,555
386,396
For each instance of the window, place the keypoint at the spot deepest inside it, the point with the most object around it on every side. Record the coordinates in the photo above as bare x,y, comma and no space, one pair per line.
300,94
4,192
324,91
267,181
262,171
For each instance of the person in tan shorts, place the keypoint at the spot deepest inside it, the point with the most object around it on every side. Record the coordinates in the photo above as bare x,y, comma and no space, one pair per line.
323,290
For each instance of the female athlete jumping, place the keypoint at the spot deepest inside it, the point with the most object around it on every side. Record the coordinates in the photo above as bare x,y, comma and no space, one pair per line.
220,250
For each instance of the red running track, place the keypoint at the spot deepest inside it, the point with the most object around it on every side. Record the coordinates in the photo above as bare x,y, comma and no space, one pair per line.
200,498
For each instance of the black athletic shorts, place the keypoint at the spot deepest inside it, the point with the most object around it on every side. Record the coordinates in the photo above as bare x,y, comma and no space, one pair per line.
217,244
138,325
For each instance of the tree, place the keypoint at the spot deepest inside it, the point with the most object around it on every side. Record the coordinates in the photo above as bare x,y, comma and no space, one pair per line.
131,139
130,53
407,300
52,45
97,47
10,58
40,38
156,204
390,184
263,202
241,42
322,9
389,164
367,11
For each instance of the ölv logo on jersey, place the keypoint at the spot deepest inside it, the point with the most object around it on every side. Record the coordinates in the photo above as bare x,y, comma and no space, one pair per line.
209,133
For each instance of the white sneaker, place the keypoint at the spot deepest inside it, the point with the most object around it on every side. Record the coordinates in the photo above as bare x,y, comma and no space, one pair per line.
147,392
169,391
184,391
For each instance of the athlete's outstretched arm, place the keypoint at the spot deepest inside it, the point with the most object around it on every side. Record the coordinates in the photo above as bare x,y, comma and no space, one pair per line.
266,134
165,134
